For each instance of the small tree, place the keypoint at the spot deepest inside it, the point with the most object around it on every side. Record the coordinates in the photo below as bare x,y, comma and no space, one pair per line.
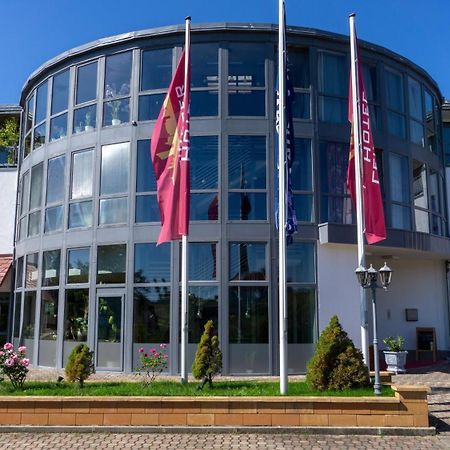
80,365
208,359
9,137
336,363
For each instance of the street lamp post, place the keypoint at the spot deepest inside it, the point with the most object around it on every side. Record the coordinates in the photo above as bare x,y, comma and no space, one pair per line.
368,278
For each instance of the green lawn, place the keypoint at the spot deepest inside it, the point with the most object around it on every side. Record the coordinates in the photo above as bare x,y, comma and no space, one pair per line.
171,388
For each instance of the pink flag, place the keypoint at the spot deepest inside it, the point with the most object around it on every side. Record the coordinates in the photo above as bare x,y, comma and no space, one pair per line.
374,226
170,157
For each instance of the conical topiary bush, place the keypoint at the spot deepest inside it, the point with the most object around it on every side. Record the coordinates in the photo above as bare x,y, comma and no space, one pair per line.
336,364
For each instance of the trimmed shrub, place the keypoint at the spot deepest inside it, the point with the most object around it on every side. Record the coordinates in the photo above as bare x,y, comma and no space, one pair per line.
208,359
80,365
336,364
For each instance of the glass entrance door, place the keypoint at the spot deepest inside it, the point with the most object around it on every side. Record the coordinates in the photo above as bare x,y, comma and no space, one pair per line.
109,331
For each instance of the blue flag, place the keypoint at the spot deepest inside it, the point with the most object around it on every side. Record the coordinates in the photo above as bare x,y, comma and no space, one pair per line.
291,218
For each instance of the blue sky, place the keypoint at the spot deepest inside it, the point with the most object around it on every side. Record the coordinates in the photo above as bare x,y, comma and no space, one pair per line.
32,32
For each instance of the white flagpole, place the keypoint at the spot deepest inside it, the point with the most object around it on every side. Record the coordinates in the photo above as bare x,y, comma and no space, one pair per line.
359,200
282,201
184,243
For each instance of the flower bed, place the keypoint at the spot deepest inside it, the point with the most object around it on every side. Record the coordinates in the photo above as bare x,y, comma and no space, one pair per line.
408,408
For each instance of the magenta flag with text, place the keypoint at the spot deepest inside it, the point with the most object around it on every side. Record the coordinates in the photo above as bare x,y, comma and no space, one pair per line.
170,156
374,225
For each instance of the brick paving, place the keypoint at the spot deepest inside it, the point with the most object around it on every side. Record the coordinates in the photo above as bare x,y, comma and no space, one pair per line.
437,377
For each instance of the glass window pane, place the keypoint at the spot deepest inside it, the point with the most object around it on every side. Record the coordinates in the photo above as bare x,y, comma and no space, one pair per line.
420,184
111,263
333,167
78,265
298,66
60,93
248,315
301,315
246,65
204,65
401,217
41,103
244,102
151,315
430,122
300,262
118,75
113,210
247,206
422,221
303,204
85,119
205,103
394,91
151,263
76,316
36,186
336,210
150,106
80,215
247,261
58,127
29,114
203,306
416,133
301,108
396,124
435,200
17,305
114,168
86,83
415,99
203,155
49,317
54,219
147,209
247,162
51,261
333,110
34,223
156,69
203,207
202,261
398,177
333,74
29,319
25,194
82,174
301,175
32,270
370,82
19,273
23,228
116,112
27,145
39,135
145,176
55,179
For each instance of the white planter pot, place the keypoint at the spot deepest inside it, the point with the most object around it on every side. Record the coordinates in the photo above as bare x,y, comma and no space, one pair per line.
88,128
115,121
395,361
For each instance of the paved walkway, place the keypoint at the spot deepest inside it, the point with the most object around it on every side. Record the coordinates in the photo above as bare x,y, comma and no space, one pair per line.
437,377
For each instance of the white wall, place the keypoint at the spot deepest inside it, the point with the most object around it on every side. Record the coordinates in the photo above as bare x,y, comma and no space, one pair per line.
338,289
8,187
416,283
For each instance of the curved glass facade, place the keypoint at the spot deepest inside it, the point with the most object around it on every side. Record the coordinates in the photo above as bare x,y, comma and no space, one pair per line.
88,268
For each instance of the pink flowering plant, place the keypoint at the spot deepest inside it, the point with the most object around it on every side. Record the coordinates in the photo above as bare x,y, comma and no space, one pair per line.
152,363
14,364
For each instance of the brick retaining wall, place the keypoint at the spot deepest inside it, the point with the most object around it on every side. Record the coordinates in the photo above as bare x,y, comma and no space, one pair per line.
408,408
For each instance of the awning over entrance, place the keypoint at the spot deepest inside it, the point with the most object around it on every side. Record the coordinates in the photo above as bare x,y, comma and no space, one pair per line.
5,265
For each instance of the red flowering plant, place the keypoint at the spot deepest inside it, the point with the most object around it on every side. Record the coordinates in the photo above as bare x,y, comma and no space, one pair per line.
14,364
152,363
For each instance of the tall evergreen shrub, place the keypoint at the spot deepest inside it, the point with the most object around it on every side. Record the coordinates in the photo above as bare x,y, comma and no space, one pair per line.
336,364
80,364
